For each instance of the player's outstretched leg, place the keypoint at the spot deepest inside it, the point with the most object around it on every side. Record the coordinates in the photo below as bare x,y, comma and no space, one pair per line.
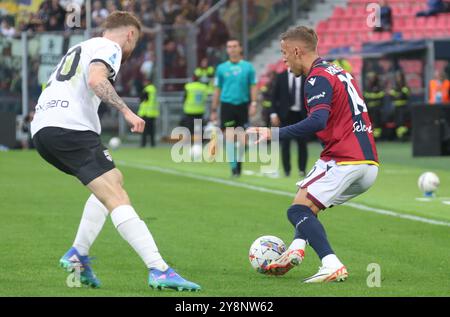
309,228
108,188
92,221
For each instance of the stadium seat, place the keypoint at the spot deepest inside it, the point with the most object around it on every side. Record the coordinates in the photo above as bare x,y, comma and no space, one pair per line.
408,35
322,26
399,24
410,23
360,12
385,36
345,24
442,21
431,23
339,12
334,24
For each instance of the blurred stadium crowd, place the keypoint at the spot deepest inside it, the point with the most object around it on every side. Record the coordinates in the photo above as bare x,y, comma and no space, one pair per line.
172,15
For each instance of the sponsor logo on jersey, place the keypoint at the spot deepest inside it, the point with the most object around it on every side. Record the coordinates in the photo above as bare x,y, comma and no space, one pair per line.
112,59
107,155
312,81
322,95
360,126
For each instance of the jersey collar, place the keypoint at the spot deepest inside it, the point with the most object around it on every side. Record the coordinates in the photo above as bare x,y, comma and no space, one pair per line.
316,63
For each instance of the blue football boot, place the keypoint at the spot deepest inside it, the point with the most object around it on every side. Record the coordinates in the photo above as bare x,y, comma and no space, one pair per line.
73,261
170,279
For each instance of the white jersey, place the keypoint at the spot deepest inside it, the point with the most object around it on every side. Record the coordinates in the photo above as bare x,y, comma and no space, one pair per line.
67,101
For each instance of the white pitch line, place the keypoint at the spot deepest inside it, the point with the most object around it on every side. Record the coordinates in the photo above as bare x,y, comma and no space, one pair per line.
278,192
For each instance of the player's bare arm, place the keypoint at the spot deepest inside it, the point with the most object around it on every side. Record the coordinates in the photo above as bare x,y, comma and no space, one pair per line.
215,104
99,83
254,96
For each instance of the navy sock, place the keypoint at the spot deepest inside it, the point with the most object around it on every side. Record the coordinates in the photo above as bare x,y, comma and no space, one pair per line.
309,228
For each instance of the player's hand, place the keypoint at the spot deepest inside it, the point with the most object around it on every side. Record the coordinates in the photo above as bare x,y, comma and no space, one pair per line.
263,133
213,116
136,123
252,109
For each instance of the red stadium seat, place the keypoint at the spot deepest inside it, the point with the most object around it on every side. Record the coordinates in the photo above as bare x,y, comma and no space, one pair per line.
334,24
430,33
322,26
421,22
339,12
360,12
408,35
354,26
431,23
385,36
345,25
410,23
442,21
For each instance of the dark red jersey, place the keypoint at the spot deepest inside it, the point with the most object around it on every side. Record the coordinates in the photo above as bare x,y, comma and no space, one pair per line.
348,136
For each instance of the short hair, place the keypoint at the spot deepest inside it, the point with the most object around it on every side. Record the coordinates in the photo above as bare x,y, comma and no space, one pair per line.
302,33
118,19
233,39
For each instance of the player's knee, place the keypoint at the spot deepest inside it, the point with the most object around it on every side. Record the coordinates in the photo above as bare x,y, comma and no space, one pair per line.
292,214
296,213
302,199
117,197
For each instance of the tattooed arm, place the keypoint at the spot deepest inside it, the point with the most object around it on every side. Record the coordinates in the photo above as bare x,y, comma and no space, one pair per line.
98,81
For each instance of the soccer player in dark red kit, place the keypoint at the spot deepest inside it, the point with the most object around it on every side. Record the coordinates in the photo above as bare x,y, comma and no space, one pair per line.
348,164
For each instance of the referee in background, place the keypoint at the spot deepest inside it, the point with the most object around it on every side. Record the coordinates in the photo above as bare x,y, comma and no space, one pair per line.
236,92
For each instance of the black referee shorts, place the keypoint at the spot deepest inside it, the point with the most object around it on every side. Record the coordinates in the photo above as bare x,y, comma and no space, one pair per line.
77,153
188,121
233,116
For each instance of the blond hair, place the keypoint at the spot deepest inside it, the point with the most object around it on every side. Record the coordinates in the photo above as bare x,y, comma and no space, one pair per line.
118,19
304,34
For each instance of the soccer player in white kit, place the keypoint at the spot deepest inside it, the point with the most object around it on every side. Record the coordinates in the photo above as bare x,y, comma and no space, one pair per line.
66,131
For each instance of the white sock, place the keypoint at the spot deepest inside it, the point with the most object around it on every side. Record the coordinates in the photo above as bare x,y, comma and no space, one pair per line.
136,233
240,149
92,221
298,244
331,260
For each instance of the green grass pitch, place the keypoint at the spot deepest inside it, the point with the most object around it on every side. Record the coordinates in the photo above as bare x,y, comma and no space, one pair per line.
204,228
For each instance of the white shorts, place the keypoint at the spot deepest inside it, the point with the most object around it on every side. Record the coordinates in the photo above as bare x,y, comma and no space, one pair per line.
329,184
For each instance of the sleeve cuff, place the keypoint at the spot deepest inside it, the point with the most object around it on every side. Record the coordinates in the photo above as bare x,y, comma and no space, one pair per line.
320,107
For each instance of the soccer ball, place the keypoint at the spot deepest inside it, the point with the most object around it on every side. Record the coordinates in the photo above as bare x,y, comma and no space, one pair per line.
264,250
428,183
114,143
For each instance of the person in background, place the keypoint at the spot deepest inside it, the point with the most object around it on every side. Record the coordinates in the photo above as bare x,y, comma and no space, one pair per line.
344,64
374,95
399,95
385,17
287,109
205,74
194,107
439,88
434,7
99,14
266,93
6,29
236,93
25,132
149,112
